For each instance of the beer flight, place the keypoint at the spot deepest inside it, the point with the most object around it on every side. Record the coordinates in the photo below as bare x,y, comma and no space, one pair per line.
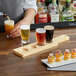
43,35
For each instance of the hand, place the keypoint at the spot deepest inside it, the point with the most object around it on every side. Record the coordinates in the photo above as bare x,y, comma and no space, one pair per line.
16,31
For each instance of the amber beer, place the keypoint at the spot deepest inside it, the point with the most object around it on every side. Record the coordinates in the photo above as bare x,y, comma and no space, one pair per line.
41,36
25,32
9,25
49,33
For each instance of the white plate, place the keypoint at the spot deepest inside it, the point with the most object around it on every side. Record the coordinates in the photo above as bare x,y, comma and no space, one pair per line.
57,64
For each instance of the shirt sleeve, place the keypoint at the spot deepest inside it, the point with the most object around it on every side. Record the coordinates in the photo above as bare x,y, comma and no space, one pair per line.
30,4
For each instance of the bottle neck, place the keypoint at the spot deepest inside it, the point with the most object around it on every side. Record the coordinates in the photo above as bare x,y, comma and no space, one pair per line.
54,2
68,2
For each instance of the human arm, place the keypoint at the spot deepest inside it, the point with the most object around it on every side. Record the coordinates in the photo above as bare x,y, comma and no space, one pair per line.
29,14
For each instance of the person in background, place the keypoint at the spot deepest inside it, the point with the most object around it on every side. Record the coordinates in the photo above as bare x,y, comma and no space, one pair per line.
21,11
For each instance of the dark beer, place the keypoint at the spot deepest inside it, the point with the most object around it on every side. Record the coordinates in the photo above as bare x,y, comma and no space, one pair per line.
40,36
49,33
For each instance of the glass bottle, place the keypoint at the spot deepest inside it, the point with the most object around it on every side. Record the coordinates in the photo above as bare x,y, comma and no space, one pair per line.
67,14
40,8
53,12
43,16
47,2
43,2
2,14
73,9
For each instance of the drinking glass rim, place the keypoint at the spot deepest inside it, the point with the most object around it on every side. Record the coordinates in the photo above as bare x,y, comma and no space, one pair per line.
7,22
25,27
40,30
47,27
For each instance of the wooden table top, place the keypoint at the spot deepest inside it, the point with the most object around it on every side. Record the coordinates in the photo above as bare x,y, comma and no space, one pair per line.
12,65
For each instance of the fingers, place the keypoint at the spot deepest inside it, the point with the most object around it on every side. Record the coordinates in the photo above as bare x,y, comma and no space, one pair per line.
15,29
15,34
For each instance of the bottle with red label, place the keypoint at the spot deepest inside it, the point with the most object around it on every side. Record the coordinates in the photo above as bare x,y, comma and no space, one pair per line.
74,9
40,8
43,17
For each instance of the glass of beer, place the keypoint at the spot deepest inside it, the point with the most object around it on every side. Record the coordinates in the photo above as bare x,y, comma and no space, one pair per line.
49,33
41,36
9,25
25,32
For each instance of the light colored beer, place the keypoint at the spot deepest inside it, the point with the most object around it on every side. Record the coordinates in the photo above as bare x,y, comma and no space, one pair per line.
25,32
40,36
9,25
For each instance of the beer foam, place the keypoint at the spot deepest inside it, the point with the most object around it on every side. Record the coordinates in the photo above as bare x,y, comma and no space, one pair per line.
49,27
25,27
9,22
40,30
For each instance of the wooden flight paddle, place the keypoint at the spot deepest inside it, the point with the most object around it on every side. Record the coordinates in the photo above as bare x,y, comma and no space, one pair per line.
34,48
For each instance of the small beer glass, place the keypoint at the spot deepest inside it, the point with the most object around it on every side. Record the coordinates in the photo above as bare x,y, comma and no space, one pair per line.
9,25
49,33
25,32
41,36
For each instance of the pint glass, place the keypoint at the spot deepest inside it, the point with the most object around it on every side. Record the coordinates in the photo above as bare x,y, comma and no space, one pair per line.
25,32
41,36
9,25
49,33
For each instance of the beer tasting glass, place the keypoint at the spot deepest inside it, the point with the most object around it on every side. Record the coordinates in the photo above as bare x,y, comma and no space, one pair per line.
49,33
25,32
9,25
41,36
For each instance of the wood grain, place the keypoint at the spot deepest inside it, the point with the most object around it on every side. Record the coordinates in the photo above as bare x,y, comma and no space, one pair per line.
12,65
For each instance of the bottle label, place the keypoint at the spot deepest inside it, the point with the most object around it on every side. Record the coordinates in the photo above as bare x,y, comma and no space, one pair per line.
42,15
67,19
54,17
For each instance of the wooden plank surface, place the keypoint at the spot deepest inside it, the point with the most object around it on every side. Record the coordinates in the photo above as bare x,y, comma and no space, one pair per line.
12,65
